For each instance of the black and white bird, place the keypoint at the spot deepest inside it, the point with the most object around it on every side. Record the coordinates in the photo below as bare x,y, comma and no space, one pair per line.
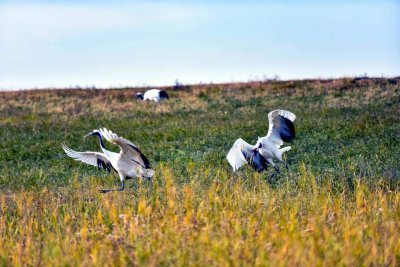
128,163
281,129
155,95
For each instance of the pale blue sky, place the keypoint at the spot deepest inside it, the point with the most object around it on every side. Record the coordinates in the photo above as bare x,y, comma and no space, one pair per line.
130,43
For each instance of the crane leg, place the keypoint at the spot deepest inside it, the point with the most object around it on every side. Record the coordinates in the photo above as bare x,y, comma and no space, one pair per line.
277,170
105,190
284,162
121,188
286,165
273,165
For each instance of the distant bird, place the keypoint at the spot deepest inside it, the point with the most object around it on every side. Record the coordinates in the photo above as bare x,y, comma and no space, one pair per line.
281,129
155,95
128,163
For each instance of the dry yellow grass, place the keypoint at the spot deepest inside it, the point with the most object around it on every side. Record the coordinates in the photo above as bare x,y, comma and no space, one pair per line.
228,224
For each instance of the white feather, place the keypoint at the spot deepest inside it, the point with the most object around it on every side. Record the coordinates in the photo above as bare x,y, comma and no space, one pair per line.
87,157
235,155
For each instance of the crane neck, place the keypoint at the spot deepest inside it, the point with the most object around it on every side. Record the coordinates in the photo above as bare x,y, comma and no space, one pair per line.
103,146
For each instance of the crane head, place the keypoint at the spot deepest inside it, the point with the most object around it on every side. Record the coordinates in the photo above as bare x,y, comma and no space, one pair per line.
139,96
93,133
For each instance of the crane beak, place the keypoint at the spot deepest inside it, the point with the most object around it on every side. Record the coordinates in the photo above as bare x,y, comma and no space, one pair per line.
89,134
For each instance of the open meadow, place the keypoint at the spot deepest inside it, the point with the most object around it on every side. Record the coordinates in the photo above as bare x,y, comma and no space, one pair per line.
337,205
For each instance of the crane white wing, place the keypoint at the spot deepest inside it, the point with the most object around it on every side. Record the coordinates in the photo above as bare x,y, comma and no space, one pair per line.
281,127
239,154
92,158
128,149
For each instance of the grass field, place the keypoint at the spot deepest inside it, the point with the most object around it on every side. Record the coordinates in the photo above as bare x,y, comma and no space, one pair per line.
339,204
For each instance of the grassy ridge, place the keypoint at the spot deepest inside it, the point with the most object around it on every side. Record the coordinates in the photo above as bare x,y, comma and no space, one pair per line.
338,204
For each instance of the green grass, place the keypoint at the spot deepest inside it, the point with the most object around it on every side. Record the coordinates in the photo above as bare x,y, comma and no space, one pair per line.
338,204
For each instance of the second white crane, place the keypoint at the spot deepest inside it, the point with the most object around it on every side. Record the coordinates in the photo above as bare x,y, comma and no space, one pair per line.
281,129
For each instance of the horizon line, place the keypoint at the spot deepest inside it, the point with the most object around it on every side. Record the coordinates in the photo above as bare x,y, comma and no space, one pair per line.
178,83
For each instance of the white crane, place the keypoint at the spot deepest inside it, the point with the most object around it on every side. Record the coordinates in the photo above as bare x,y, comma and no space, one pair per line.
155,95
128,163
281,129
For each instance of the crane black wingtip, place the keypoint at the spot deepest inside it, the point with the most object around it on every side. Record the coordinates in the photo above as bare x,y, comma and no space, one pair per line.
286,129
